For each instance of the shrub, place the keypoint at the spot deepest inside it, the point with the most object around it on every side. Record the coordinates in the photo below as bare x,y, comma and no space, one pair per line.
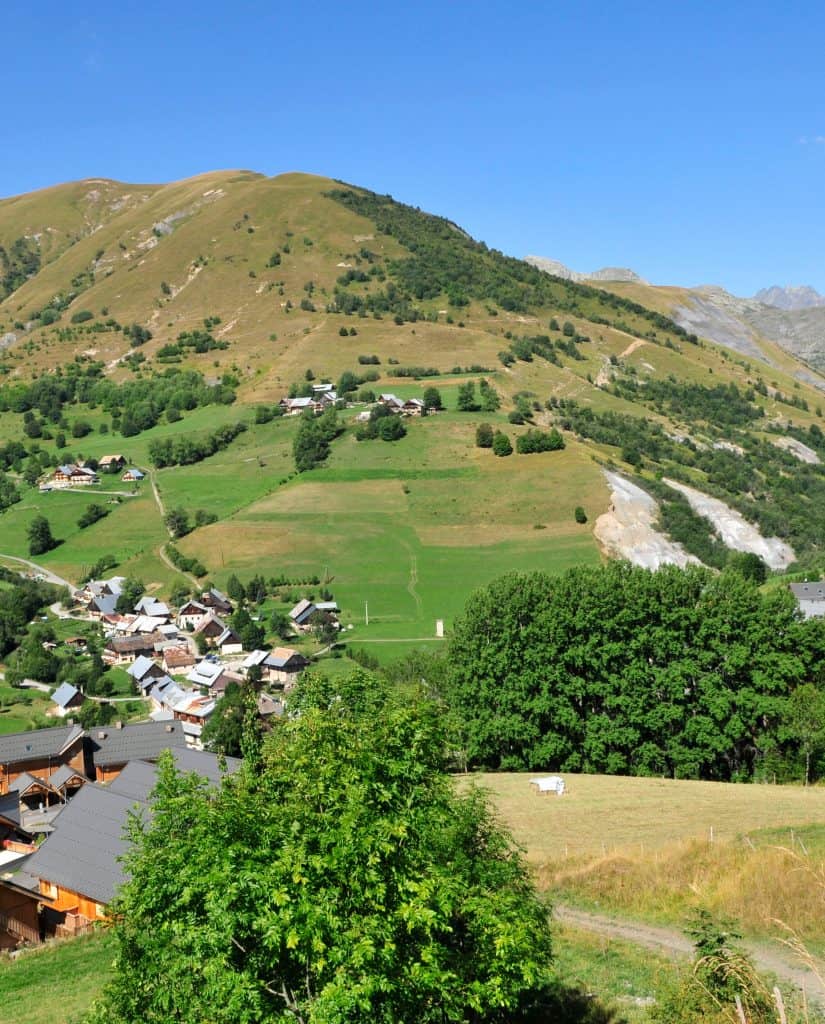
501,444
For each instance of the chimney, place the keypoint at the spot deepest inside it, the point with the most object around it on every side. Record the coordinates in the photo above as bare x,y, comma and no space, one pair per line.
170,728
118,724
101,735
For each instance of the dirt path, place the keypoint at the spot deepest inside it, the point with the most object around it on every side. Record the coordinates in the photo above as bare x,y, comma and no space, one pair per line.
167,561
675,945
631,348
50,577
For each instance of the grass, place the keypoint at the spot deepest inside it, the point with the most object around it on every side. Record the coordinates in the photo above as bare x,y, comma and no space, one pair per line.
23,709
600,814
642,848
56,983
621,976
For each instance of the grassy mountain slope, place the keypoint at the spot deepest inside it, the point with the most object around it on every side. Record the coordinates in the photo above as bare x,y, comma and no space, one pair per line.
300,273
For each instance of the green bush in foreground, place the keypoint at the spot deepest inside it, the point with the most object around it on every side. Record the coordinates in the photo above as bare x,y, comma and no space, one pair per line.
339,880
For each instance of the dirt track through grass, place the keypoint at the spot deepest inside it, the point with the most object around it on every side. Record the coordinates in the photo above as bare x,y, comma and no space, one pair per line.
770,958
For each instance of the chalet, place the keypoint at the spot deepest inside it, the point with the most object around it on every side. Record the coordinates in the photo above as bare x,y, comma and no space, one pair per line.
193,712
68,882
228,642
143,669
301,615
122,650
66,781
323,389
191,614
39,753
205,674
177,659
66,699
269,706
79,644
295,406
216,601
225,679
132,476
412,407
112,746
102,605
391,402
101,588
325,399
74,476
210,628
111,463
151,606
284,665
255,659
810,597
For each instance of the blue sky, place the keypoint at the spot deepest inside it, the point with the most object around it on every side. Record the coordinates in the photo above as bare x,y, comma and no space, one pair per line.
686,141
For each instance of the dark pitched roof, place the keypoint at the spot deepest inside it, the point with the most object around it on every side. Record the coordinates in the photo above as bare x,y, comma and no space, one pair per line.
63,775
138,777
28,746
809,591
130,644
10,807
106,604
82,853
111,745
65,694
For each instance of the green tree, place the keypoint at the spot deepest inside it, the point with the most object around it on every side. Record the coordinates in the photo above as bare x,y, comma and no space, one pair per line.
432,398
342,881
490,400
467,397
749,565
501,444
391,428
235,590
805,722
484,435
310,447
131,591
93,513
223,733
177,522
580,515
40,536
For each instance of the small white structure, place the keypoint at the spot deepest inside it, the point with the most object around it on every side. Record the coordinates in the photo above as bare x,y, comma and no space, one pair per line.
549,784
439,627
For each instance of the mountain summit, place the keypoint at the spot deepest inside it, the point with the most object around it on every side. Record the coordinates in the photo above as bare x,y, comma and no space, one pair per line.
558,269
790,297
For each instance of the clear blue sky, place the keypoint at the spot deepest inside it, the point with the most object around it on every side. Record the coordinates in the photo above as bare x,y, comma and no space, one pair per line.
684,140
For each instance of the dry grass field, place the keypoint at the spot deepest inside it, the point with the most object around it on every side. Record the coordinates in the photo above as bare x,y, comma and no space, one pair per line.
643,848
604,813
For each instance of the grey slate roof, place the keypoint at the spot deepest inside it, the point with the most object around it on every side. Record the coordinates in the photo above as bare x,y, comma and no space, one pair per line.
111,745
64,694
63,774
10,807
27,746
809,591
82,853
139,667
106,604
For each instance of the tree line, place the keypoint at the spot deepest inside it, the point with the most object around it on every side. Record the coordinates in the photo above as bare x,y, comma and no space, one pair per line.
620,670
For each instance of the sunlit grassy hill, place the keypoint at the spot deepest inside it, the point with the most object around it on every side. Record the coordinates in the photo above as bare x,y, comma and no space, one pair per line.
297,276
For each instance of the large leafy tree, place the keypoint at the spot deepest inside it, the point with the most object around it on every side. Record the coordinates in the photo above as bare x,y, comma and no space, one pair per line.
621,670
339,879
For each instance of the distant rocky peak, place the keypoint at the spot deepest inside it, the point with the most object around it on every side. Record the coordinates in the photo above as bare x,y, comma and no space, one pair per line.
790,297
558,269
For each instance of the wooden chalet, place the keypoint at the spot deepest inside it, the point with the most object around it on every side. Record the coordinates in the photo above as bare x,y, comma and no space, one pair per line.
74,476
122,650
111,463
39,753
217,602
191,614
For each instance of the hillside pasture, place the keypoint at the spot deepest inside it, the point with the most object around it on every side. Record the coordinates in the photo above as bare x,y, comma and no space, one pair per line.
606,813
411,528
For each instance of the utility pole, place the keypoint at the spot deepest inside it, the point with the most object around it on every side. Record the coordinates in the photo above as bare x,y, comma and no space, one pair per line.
366,614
